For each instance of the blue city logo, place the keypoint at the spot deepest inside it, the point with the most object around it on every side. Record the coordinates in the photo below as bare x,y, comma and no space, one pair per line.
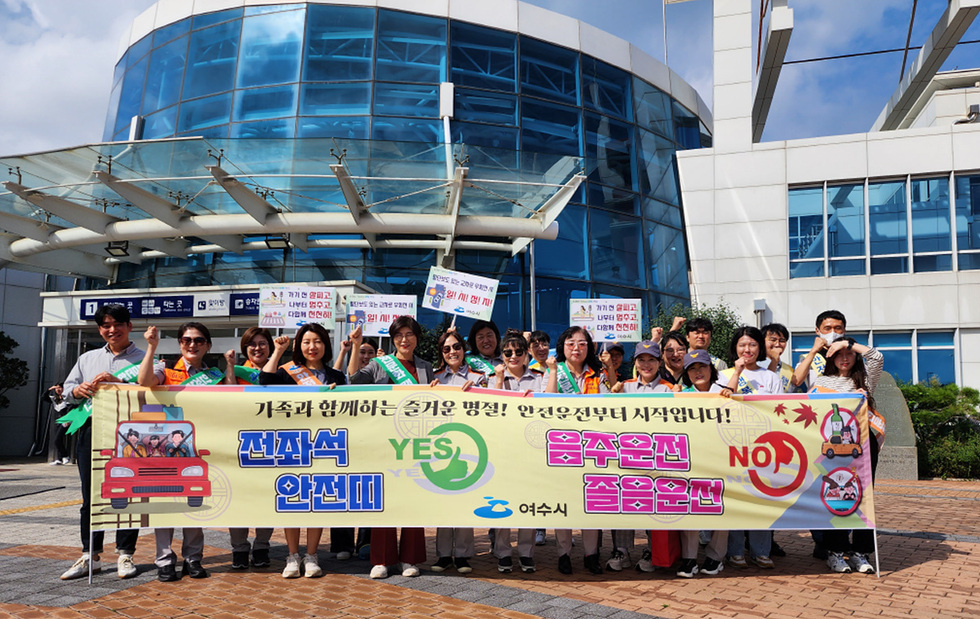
490,509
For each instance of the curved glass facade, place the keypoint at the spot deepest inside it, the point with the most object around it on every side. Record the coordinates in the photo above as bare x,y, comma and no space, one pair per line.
323,71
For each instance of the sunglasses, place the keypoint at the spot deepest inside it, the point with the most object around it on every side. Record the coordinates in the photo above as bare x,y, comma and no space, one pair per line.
451,347
512,353
187,341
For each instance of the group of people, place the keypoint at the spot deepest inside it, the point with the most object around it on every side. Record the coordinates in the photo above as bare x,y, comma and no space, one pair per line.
677,360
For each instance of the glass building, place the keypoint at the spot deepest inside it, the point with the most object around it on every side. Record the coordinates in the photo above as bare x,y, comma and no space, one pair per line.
360,75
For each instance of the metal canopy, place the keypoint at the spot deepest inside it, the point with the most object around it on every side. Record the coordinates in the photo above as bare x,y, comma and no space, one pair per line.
178,197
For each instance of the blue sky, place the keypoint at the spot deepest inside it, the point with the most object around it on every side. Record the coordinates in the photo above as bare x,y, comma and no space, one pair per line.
58,57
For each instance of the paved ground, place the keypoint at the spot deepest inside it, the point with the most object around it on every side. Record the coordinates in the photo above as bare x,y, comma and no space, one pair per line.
929,550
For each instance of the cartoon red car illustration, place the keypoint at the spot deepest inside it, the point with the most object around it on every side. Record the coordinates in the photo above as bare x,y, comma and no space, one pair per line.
155,459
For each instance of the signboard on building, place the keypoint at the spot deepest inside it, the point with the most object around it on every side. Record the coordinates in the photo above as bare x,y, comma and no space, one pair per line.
607,319
454,292
197,305
374,312
291,307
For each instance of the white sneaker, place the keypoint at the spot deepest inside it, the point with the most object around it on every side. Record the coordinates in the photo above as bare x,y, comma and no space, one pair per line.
80,568
66,460
56,463
343,555
618,561
379,571
311,567
292,566
836,563
409,570
645,564
125,568
859,563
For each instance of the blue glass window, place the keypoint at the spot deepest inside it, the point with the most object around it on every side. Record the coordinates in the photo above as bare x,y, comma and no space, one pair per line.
210,19
485,107
550,128
936,356
549,71
335,99
212,56
667,259
132,94
205,112
931,231
617,248
112,113
138,50
262,103
483,57
661,213
897,350
968,221
339,43
568,255
165,75
845,228
687,127
407,129
658,177
162,124
552,300
609,152
806,251
406,100
270,49
282,128
411,48
888,226
171,32
605,88
652,108
487,135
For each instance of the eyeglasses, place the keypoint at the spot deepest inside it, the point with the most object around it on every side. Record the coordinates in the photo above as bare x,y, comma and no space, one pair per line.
451,347
576,344
512,353
403,336
187,341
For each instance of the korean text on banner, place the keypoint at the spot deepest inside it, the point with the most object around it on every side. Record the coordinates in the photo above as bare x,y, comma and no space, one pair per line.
291,307
607,319
454,292
409,456
374,312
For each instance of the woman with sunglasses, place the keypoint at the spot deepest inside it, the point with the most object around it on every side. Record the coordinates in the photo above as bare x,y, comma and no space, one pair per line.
401,368
256,346
307,368
514,375
578,371
454,546
190,369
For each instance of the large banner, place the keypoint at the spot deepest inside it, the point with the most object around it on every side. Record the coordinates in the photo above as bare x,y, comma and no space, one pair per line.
410,456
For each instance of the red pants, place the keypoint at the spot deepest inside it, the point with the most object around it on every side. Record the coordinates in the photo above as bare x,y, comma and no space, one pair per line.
385,550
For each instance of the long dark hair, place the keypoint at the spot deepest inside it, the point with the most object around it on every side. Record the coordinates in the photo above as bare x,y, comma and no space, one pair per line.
515,339
591,359
478,326
317,328
859,373
442,342
752,332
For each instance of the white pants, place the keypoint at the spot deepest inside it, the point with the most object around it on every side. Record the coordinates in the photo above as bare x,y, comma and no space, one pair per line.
716,549
454,542
525,543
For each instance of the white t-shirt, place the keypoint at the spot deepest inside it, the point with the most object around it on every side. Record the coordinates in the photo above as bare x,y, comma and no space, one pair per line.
761,381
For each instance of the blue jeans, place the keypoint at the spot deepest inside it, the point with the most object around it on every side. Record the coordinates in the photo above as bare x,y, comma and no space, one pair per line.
760,543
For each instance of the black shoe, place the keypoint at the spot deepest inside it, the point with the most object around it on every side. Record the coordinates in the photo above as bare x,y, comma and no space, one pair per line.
239,560
194,569
167,573
443,564
527,565
688,568
505,565
260,558
711,567
592,564
565,564
776,550
819,552
463,566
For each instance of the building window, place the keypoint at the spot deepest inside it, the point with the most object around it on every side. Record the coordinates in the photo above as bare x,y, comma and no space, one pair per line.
888,227
411,48
931,233
806,238
936,356
968,222
845,228
897,350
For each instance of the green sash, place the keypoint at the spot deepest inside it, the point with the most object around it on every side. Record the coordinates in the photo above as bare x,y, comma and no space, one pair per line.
249,375
479,364
395,370
566,382
210,376
80,414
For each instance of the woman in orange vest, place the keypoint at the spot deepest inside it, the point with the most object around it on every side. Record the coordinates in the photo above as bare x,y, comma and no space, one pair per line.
306,368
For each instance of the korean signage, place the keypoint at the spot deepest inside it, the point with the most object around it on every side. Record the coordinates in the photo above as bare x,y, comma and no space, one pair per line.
374,312
415,456
291,307
454,292
197,305
607,319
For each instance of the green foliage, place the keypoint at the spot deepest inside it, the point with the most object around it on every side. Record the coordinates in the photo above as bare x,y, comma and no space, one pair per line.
947,428
724,318
13,371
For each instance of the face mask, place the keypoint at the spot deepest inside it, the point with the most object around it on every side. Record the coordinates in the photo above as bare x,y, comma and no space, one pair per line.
831,337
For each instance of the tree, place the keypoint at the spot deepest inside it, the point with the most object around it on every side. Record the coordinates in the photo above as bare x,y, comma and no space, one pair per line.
13,371
724,318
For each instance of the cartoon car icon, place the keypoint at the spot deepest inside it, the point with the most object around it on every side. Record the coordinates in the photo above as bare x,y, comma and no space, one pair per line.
155,459
841,449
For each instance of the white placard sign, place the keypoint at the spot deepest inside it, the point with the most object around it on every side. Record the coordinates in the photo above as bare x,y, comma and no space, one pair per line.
212,303
459,293
607,319
374,312
290,307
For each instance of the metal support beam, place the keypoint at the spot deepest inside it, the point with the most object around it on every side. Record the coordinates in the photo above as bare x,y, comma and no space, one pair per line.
550,211
252,203
453,197
87,218
26,226
774,53
352,196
